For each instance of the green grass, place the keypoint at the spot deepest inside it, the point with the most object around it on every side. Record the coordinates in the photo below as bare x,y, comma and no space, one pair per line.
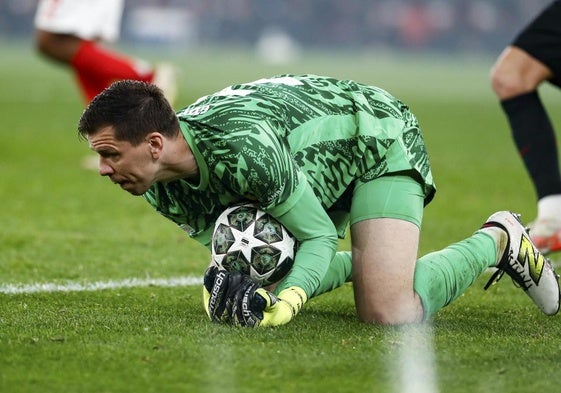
60,224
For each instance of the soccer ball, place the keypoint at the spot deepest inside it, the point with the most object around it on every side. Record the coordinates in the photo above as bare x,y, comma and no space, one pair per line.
248,240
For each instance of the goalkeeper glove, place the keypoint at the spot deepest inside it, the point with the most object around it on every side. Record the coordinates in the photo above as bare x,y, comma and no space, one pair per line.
258,307
219,288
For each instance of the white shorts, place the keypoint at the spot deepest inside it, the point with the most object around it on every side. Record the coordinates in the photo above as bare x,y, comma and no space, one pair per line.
87,19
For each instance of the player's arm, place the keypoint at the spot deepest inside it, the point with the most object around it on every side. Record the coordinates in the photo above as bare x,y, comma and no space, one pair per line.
303,215
338,273
284,192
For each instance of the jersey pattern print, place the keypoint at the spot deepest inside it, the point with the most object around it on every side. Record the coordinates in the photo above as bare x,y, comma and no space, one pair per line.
261,140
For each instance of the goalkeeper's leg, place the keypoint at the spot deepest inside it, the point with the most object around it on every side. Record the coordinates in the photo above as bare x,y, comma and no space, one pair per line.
391,286
384,253
441,276
386,215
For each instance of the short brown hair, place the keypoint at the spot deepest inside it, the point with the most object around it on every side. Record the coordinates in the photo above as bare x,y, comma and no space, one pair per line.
133,108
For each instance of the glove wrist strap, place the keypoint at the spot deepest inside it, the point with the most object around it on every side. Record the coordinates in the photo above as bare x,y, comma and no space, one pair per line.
295,297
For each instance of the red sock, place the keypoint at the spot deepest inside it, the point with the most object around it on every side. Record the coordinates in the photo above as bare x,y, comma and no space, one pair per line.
96,68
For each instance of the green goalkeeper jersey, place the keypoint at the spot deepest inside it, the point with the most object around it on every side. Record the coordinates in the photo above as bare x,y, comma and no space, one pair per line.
296,144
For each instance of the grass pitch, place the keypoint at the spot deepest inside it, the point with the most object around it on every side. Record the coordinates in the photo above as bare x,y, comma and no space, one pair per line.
64,225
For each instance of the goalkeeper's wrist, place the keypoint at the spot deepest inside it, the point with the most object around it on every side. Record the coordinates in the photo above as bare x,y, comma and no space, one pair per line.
295,297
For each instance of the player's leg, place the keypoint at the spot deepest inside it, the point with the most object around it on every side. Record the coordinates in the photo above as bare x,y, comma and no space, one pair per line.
97,66
442,276
63,48
501,243
58,47
516,72
386,215
62,26
384,252
519,71
515,79
391,286
69,31
533,56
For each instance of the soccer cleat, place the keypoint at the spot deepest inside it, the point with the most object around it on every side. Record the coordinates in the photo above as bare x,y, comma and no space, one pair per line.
523,262
165,77
546,235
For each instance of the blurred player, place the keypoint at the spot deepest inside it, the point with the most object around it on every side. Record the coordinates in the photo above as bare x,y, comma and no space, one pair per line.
318,154
70,32
533,58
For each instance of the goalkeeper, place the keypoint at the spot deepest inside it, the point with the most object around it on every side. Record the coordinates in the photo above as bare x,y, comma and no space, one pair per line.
318,154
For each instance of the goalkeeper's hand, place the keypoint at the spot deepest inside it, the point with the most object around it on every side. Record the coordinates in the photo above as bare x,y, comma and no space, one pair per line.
219,289
256,306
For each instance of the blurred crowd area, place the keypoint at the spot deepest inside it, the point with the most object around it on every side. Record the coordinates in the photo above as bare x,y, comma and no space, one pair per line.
440,25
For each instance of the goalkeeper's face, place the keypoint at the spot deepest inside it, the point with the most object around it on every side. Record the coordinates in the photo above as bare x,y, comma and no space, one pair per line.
132,167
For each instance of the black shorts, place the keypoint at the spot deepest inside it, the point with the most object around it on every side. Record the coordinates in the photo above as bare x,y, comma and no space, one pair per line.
542,38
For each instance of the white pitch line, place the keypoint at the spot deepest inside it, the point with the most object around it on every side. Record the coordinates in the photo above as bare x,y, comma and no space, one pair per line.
15,289
416,359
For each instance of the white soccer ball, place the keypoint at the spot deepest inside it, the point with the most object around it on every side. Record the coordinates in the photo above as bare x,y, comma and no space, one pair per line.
248,240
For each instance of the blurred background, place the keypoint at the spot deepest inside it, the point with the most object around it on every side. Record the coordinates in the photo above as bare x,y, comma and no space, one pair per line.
291,25
435,55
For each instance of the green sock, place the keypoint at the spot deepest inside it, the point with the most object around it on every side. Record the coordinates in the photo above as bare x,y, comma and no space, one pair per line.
441,276
339,272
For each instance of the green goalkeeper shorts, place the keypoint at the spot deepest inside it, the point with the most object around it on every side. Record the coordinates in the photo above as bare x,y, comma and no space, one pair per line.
391,196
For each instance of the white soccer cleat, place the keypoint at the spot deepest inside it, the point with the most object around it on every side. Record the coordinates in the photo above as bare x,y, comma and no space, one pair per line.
523,262
165,77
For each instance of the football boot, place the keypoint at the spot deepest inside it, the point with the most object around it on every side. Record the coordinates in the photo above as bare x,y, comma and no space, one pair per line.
525,264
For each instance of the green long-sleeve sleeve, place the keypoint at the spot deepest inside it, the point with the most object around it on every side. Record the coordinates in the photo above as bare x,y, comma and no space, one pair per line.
309,223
